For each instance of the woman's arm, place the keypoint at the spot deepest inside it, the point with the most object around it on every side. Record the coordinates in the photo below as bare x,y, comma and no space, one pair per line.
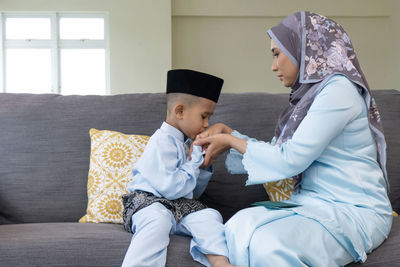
337,104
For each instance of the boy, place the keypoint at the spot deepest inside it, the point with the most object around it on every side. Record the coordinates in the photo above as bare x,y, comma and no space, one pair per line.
166,179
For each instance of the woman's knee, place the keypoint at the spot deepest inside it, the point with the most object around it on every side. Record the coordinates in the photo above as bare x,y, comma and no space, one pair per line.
237,222
265,241
267,248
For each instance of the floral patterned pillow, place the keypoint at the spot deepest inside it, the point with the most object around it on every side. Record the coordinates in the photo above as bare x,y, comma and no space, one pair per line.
279,190
112,157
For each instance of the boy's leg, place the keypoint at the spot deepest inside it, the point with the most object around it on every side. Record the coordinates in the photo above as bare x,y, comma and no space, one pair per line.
151,226
207,230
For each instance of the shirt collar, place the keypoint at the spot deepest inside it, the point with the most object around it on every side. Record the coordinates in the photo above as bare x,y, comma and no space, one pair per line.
168,128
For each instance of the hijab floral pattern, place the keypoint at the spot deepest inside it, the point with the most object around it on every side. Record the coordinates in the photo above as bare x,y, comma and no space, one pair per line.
327,57
320,48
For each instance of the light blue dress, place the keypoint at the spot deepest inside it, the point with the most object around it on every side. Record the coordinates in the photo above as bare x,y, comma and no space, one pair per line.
345,212
165,170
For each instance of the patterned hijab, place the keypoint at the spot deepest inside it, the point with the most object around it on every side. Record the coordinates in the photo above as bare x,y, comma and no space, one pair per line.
320,48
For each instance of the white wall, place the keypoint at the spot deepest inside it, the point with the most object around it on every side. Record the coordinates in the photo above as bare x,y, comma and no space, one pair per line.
140,37
396,41
228,38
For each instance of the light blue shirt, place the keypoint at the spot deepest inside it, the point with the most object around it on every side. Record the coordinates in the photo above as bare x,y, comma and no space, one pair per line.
343,186
165,170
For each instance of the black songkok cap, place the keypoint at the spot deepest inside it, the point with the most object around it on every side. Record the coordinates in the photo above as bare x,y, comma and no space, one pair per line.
194,83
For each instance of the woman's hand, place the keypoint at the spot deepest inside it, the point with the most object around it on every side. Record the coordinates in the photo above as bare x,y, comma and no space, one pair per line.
216,145
218,128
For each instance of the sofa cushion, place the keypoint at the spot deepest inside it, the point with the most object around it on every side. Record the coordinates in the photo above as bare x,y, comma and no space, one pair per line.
76,244
45,148
112,156
387,253
388,102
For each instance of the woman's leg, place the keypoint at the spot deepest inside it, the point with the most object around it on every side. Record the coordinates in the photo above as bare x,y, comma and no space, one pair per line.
151,227
263,237
240,228
296,241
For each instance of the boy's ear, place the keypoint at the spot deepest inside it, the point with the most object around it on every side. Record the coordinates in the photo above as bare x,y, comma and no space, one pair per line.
178,110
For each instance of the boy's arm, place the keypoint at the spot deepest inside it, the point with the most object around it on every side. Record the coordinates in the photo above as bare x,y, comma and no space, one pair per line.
202,181
168,174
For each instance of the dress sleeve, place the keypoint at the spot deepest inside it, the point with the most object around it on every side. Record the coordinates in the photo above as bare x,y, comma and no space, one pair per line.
234,158
233,162
171,177
336,105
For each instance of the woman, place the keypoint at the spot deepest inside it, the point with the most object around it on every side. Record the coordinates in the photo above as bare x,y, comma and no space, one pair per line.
329,139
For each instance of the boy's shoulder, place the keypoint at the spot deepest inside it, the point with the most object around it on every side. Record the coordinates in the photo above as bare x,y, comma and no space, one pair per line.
161,139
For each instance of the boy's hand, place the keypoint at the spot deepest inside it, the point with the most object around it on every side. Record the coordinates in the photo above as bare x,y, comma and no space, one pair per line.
190,151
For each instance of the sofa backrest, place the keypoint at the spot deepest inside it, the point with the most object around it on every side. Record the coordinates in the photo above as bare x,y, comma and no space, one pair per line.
45,147
388,102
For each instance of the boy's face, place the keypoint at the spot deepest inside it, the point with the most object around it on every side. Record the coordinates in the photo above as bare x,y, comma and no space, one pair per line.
195,117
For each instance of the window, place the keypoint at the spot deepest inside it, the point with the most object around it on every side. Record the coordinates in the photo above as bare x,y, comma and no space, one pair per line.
54,53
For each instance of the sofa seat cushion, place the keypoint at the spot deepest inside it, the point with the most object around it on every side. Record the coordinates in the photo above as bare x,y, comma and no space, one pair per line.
387,253
76,244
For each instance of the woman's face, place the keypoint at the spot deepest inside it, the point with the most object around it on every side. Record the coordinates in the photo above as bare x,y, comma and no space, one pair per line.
285,69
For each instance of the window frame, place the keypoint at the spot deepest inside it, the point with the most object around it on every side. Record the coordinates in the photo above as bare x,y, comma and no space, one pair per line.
55,44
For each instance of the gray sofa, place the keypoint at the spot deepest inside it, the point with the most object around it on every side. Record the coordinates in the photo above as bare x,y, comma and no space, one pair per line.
44,162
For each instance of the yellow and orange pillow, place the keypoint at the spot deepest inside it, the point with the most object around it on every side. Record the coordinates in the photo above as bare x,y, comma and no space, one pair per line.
279,190
112,157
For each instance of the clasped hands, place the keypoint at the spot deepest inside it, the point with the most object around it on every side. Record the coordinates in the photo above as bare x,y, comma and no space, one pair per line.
214,141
